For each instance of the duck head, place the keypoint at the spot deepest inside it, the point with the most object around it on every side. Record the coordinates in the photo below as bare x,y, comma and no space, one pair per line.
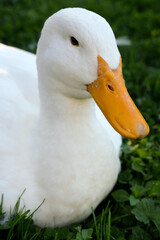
78,57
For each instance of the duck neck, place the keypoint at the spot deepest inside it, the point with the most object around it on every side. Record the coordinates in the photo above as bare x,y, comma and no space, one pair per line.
57,104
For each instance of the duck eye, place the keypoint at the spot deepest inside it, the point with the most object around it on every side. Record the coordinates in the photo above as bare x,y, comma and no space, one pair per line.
74,41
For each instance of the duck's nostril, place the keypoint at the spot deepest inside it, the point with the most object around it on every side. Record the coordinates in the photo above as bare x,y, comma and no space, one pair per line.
110,87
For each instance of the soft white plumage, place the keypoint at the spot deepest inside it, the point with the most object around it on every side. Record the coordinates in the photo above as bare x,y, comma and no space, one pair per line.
53,142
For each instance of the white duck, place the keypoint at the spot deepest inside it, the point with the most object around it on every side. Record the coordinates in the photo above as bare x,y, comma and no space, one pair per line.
53,142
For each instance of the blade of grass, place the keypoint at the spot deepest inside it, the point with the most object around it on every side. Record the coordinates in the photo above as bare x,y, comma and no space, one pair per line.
109,225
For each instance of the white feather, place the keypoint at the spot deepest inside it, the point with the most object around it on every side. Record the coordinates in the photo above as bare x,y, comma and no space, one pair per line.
53,142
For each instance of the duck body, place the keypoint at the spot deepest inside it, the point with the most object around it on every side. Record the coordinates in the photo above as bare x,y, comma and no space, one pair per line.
75,181
78,167
56,143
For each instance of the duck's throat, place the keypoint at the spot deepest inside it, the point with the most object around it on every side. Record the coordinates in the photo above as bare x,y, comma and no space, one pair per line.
56,104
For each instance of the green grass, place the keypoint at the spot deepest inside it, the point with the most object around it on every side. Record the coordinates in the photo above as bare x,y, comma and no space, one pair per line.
132,210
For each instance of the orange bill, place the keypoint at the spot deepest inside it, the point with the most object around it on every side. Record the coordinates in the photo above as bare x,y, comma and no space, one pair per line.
111,95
